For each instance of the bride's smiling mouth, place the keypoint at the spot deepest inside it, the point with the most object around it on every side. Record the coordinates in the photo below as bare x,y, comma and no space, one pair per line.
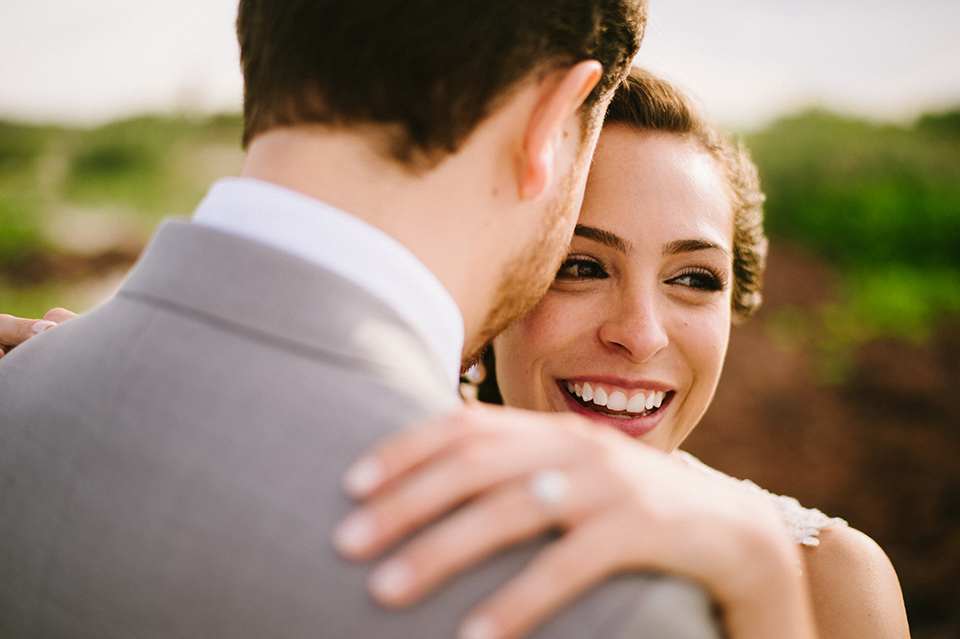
634,411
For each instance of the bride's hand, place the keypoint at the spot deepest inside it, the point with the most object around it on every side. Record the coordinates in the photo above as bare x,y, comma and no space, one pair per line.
620,505
16,330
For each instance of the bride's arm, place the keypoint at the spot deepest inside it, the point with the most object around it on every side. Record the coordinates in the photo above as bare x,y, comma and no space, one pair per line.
625,507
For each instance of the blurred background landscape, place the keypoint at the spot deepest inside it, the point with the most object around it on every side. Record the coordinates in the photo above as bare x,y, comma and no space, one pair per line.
78,205
844,391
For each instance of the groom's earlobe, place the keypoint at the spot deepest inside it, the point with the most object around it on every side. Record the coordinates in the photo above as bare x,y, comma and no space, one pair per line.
561,96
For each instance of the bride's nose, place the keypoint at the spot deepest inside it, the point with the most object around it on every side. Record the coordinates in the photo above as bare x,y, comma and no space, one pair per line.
634,326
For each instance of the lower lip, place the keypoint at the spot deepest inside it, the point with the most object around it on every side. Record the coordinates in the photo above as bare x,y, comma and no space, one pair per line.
633,427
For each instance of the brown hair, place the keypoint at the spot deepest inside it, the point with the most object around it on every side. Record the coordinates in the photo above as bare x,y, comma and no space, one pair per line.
431,70
648,103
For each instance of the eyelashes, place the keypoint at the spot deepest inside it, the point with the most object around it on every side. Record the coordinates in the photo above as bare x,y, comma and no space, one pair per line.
582,268
700,278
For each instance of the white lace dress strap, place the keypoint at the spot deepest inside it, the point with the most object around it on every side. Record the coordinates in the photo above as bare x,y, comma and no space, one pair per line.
804,524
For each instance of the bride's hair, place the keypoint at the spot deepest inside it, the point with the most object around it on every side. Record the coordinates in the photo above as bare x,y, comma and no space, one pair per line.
650,104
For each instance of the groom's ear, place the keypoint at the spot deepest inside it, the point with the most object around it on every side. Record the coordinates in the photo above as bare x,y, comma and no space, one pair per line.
561,95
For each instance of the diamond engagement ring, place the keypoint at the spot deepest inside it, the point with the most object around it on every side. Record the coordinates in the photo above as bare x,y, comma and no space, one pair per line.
549,486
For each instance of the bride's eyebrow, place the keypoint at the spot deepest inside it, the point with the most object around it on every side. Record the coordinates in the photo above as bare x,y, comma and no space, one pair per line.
604,237
687,246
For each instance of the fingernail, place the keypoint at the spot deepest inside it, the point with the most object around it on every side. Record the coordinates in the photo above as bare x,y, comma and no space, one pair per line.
391,581
363,477
39,327
479,627
355,533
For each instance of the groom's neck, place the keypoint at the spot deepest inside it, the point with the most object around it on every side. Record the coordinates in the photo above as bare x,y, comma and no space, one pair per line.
446,216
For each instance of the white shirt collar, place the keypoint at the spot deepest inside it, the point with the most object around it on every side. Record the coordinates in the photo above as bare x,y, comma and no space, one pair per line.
359,252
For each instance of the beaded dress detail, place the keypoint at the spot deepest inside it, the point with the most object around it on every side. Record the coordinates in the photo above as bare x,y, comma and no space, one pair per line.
804,524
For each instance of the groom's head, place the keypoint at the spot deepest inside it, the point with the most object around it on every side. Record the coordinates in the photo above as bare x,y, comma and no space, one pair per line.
429,70
481,115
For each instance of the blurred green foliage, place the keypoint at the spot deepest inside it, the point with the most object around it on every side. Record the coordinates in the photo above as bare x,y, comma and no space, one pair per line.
138,170
21,147
20,234
882,204
34,301
19,144
142,163
861,194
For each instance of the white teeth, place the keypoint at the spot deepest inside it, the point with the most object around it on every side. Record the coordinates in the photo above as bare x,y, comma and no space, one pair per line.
600,396
637,403
587,392
617,401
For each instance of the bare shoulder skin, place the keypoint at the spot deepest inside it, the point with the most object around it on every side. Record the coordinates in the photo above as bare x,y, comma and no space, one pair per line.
855,589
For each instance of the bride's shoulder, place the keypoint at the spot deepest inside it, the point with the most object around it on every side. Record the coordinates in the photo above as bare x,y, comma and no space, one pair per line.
854,587
848,548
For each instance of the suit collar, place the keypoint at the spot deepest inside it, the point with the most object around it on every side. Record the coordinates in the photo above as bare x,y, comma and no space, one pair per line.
248,287
343,244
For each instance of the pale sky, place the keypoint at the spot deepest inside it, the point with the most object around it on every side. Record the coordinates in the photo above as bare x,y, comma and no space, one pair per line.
88,61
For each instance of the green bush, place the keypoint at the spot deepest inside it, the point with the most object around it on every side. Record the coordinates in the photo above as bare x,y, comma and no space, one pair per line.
861,194
946,123
882,203
124,163
20,144
138,164
20,232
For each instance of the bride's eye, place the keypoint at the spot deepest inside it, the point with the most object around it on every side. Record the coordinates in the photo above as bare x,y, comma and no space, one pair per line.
581,268
700,279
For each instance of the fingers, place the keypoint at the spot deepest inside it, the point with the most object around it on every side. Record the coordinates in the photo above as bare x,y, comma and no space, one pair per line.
399,453
15,330
511,475
457,542
510,514
58,315
480,465
557,574
480,458
500,470
405,451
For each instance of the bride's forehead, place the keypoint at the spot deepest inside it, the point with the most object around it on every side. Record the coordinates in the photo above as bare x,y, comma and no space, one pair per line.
623,147
654,175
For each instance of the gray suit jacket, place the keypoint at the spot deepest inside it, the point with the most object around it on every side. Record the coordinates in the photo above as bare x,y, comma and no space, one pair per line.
170,462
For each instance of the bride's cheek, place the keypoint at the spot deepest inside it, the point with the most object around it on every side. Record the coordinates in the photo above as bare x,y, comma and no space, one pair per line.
544,327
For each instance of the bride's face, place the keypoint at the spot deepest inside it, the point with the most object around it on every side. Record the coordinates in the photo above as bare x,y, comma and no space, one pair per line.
635,327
